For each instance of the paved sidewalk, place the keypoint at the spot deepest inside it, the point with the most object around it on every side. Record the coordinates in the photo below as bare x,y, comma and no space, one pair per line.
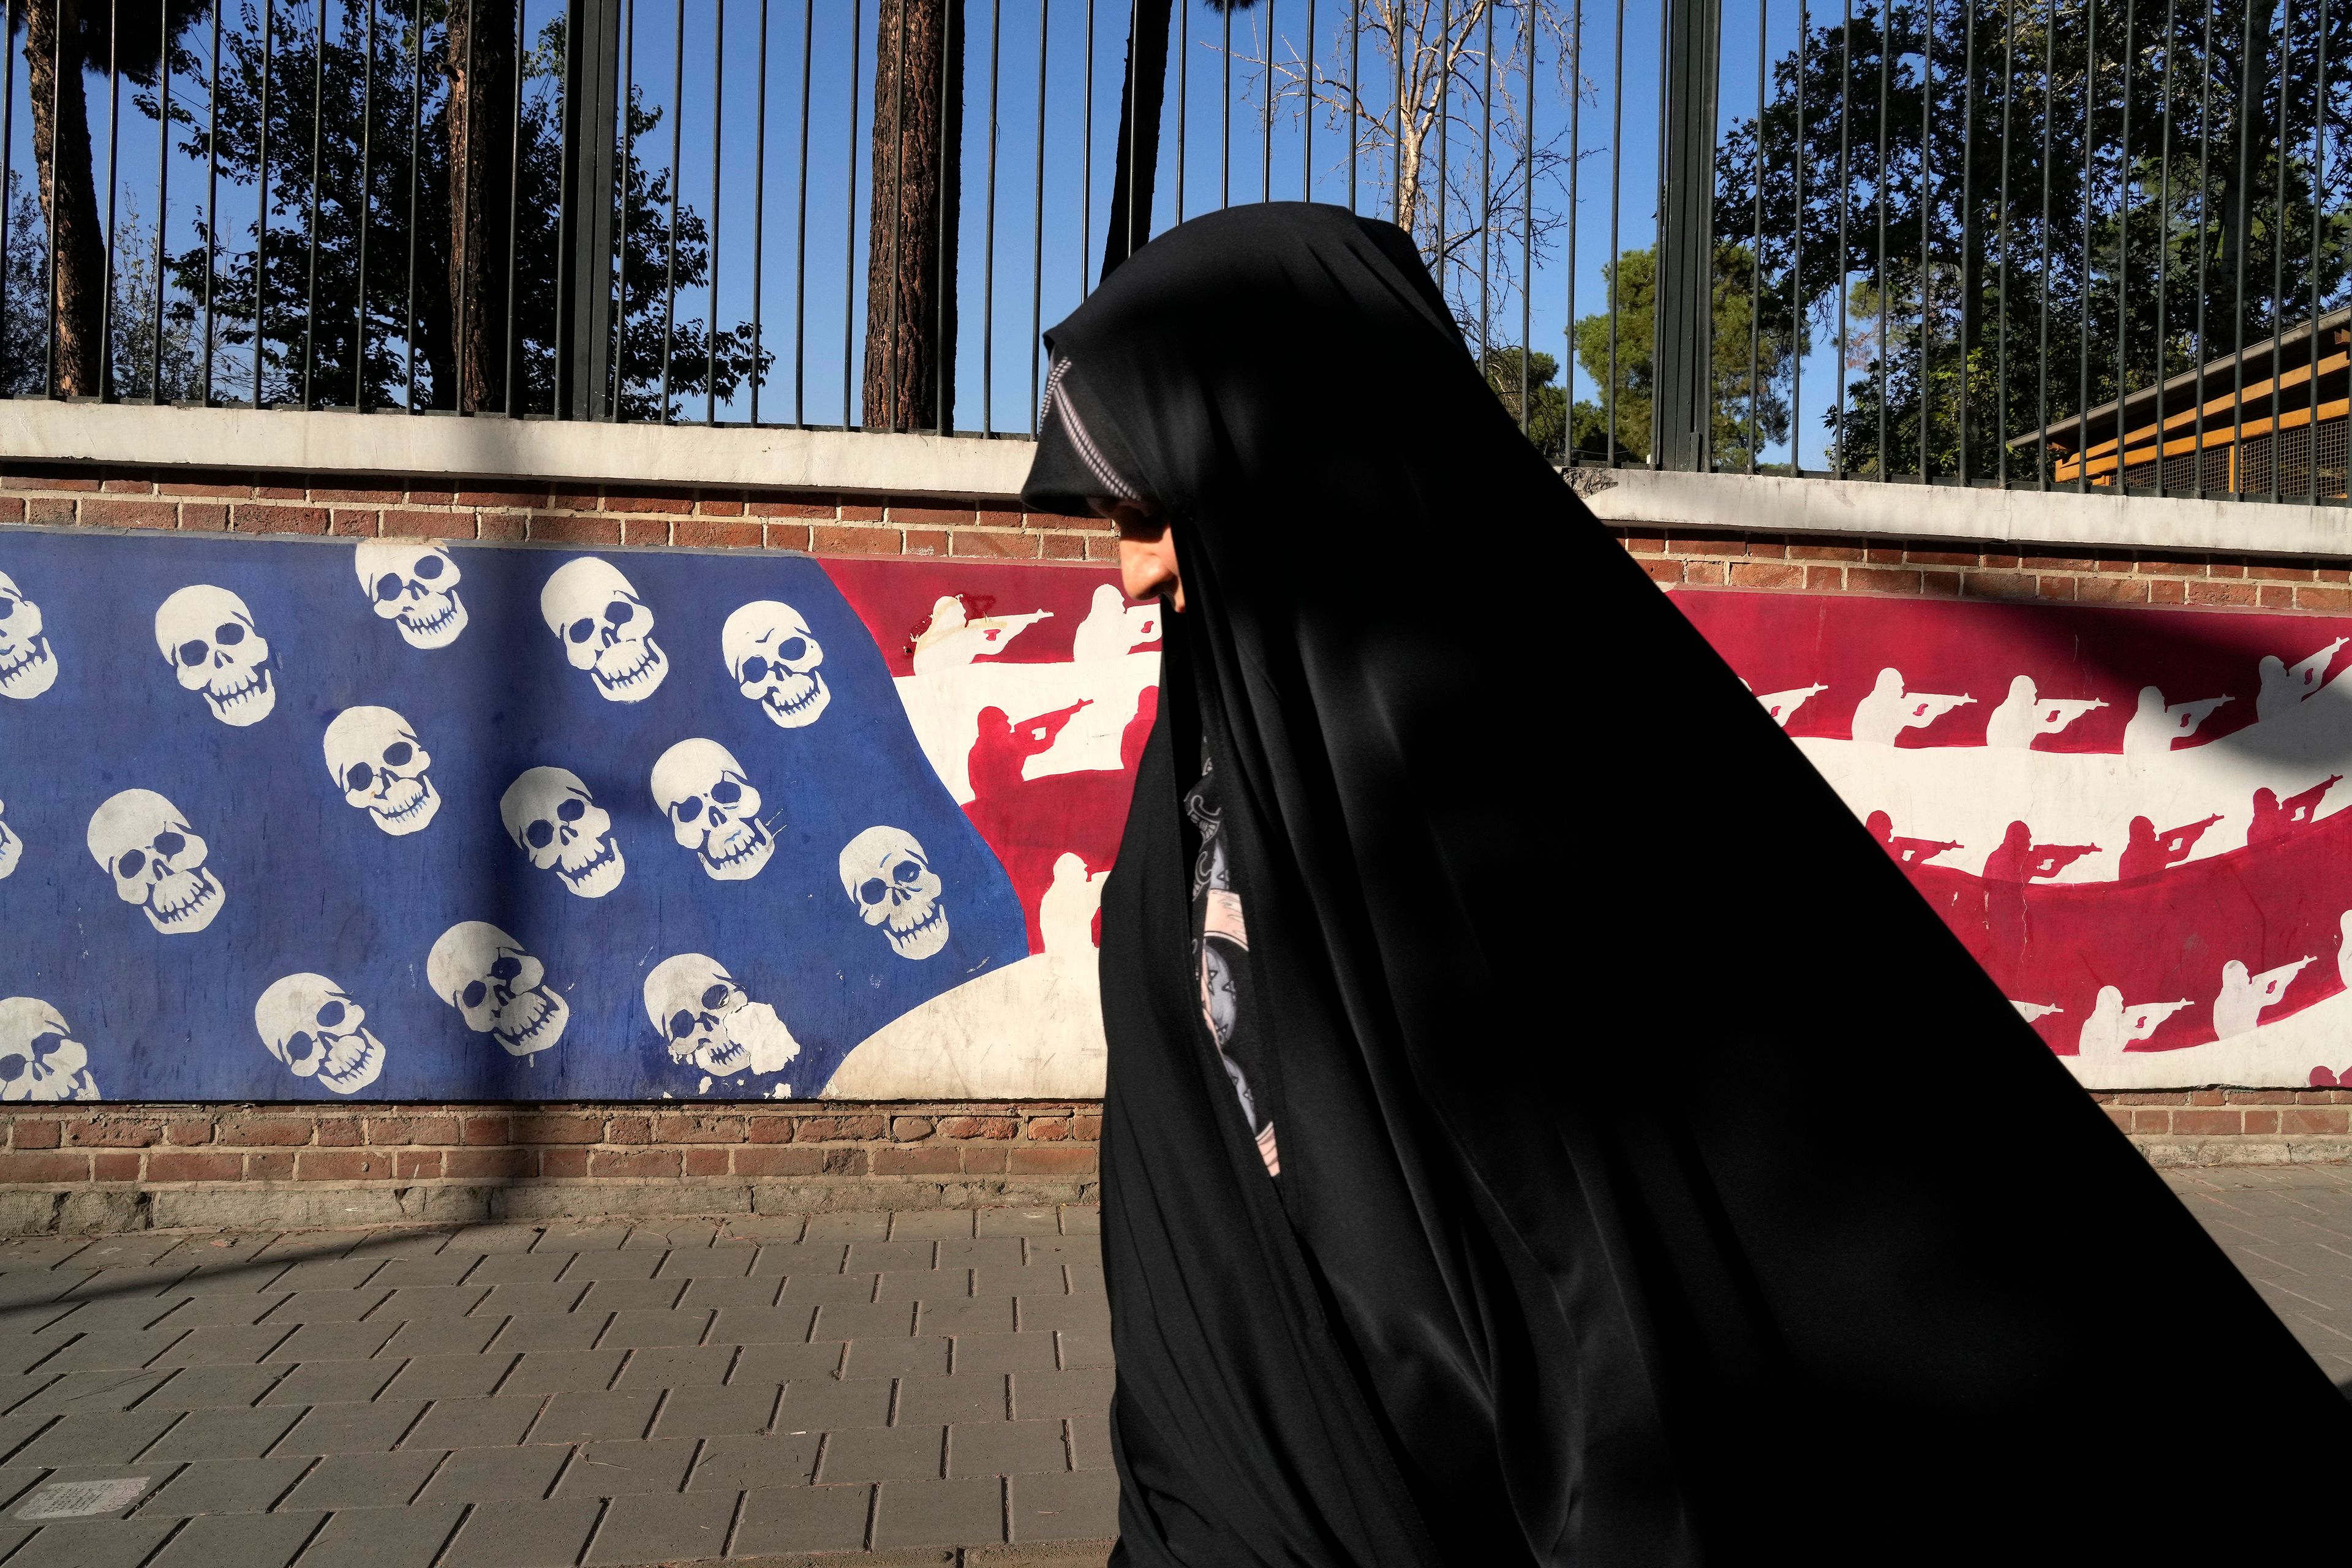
920,1387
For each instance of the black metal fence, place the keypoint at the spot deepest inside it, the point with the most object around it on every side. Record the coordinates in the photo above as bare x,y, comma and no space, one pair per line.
2079,243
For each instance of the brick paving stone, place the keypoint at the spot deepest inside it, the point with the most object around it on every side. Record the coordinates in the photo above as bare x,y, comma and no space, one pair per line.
224,1311
110,1439
673,1366
125,1314
441,1336
149,1479
570,1331
411,1301
1082,1220
224,1345
849,1225
988,1315
866,1256
823,1405
513,1236
1084,1348
813,1257
15,1480
786,1325
224,1433
762,1228
1015,1222
564,1372
328,1274
620,1413
331,1381
1026,1280
331,1342
1084,1393
615,1265
498,1474
631,1296
1000,1250
778,1520
930,1225
16,1289
15,1430
786,1363
328,1306
883,1454
642,1527
530,1300
744,1463
714,1262
731,1291
634,1329
697,1411
1080,1506
921,1284
520,1267
450,1376
1090,1442
94,1544
473,1424
108,1282
611,1470
524,1534
239,1541
444,1267
925,1357
843,1321
365,1480
1036,1312
352,1428
940,1513
87,1392
383,1537
194,1388
979,1398
814,1288
1029,1352
1007,1448
584,1236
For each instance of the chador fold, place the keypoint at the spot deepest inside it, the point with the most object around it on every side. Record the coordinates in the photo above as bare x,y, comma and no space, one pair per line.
1521,1141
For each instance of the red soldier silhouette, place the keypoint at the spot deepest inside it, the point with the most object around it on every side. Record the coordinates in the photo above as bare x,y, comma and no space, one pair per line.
1132,740
2275,818
2020,860
1001,747
1907,851
2148,852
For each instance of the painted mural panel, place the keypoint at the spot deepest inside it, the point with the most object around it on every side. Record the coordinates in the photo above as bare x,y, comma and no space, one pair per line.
2134,818
306,820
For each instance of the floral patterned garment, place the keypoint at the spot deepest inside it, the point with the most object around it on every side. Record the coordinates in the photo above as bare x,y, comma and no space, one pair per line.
1220,941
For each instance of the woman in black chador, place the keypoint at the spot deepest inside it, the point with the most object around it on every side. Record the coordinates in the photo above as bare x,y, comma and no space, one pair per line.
1522,1142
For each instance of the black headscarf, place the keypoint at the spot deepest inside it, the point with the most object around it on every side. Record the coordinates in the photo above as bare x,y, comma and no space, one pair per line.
1614,1223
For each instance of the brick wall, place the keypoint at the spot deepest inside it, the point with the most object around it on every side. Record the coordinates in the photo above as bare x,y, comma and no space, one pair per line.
120,1166
980,528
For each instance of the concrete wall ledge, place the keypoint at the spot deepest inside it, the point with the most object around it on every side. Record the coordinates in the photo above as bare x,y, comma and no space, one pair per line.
1771,504
2174,1151
850,462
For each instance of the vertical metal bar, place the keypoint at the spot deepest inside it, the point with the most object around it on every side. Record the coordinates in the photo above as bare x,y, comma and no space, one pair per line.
1755,251
1396,58
1355,64
1225,118
2278,267
676,177
2083,350
106,389
2245,226
2319,165
8,134
758,218
1616,173
800,221
2164,236
416,135
625,162
367,212
2122,240
49,264
1575,151
1183,99
1796,260
1037,223
1486,195
1926,225
1445,102
1307,114
1846,205
163,195
1129,122
943,280
2204,244
1528,213
1266,115
261,213
1085,155
514,204
1968,221
461,183
569,273
988,237
318,137
2041,285
849,194
718,123
1886,293
212,194
2008,88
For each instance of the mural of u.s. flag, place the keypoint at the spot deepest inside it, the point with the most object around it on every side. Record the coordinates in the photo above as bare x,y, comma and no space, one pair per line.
300,819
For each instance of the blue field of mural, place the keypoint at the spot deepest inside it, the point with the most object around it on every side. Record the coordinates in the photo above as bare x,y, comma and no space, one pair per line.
301,820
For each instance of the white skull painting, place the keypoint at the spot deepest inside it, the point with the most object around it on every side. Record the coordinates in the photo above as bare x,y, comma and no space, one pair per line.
705,1017
39,1058
157,861
604,627
313,1026
889,879
499,989
773,657
378,762
12,848
28,666
552,818
713,809
413,583
207,636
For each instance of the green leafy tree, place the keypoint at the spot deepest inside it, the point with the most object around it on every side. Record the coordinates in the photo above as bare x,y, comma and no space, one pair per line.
1737,406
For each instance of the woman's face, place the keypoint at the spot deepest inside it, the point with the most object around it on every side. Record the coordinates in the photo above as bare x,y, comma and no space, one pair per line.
1146,551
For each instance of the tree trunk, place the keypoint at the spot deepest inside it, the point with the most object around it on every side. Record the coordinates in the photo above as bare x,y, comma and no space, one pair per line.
480,65
69,198
911,309
1136,156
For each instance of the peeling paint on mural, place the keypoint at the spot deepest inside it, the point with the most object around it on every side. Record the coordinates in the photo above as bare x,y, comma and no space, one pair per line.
2134,819
301,820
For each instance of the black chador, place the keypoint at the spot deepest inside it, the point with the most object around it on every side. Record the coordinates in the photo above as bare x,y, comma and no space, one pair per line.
1521,1144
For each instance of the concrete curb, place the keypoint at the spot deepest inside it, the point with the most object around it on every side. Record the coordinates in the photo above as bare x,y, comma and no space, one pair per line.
2166,1152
